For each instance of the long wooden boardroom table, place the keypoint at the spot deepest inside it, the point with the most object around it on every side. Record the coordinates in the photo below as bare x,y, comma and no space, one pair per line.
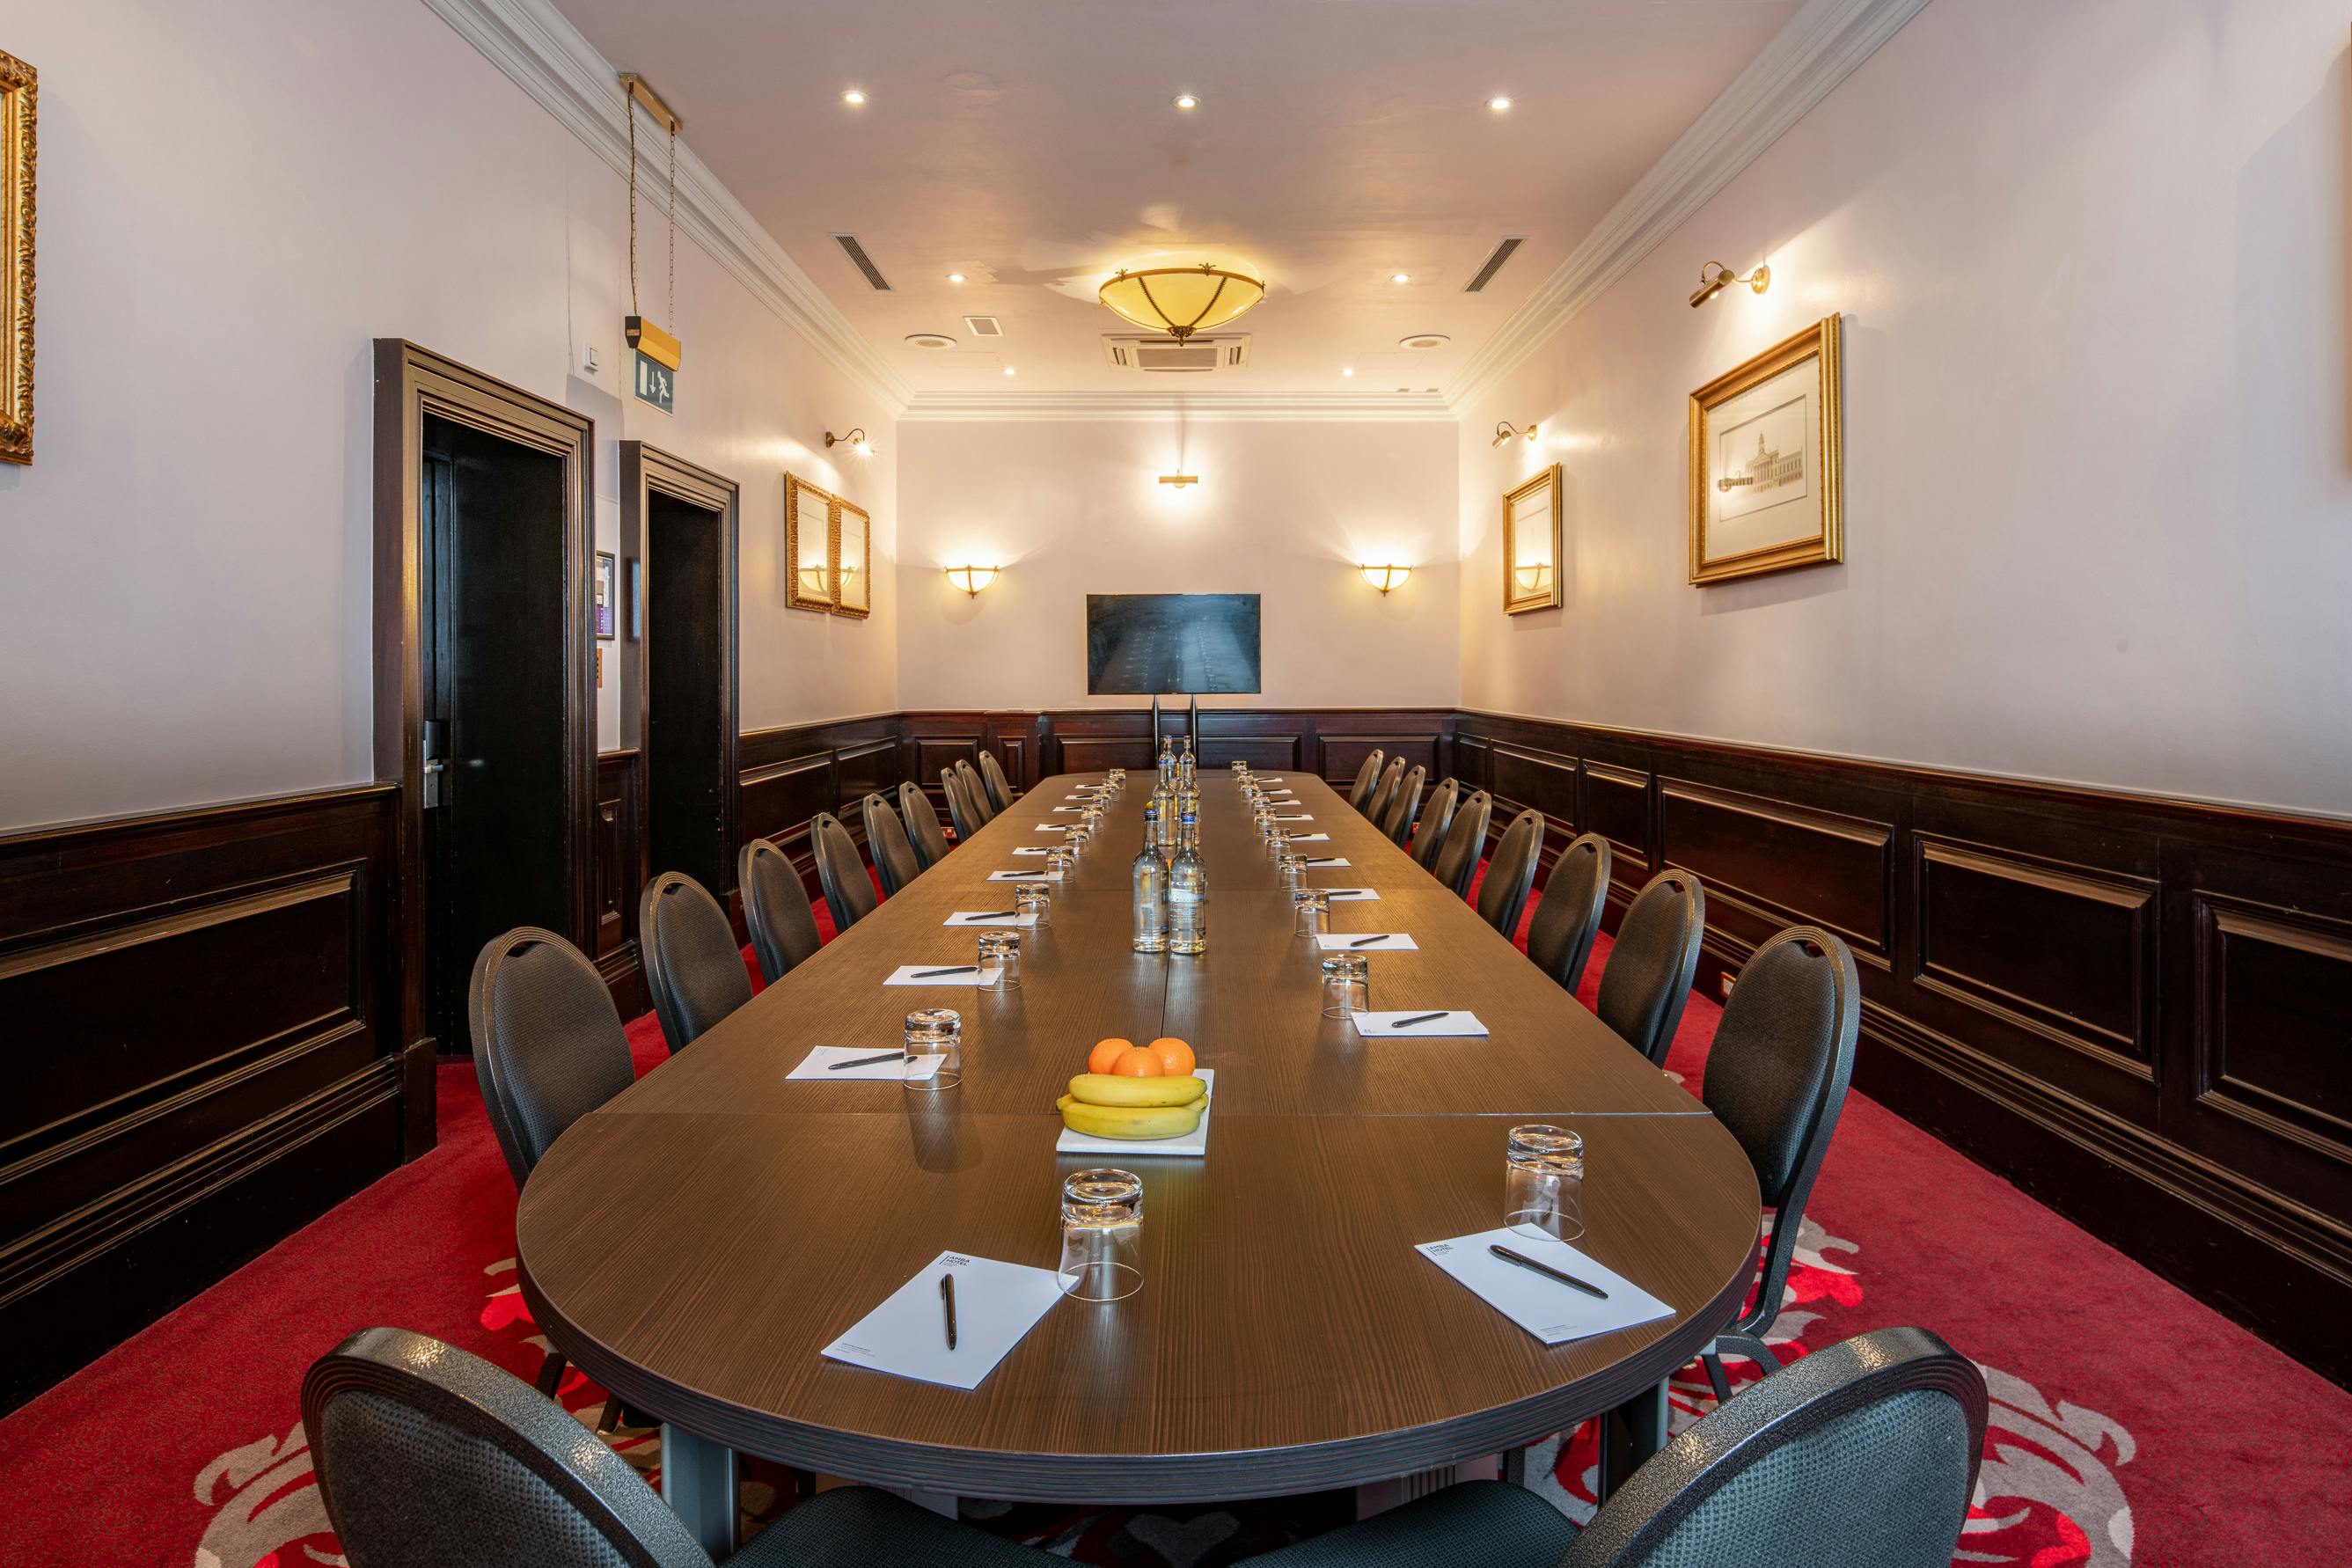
694,1244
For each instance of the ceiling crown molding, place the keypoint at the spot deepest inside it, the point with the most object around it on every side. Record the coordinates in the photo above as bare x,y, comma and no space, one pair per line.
548,57
1296,406
1819,47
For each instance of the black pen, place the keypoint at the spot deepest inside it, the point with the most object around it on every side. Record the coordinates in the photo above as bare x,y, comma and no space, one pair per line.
1419,1018
866,1061
947,1299
1368,941
959,969
1548,1272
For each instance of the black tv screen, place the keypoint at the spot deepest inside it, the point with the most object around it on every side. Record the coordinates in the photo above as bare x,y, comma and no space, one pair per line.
1138,643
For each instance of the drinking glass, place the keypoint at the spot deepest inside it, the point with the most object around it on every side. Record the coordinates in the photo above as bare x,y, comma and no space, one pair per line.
934,1032
1079,832
1314,909
1034,899
1543,1183
1102,1234
1241,769
1347,985
1057,861
1093,818
1000,951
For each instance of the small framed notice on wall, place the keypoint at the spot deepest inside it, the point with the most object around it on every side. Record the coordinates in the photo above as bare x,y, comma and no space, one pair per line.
608,596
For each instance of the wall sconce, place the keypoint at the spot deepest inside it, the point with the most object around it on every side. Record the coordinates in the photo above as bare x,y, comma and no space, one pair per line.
1532,579
1507,431
1180,480
1715,278
972,579
1385,578
856,441
814,585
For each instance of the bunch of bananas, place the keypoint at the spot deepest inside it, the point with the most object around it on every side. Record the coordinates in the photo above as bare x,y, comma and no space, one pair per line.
1102,1106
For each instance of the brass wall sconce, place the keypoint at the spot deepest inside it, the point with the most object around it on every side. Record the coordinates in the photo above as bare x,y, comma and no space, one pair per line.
1532,579
1507,431
1386,578
1715,278
1180,480
856,441
972,579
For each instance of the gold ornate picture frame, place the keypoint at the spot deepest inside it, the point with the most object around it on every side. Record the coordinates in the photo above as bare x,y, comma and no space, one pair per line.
852,560
828,551
18,92
1531,545
1768,449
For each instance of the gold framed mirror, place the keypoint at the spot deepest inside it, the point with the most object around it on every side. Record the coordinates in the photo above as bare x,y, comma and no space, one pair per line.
853,557
1531,545
808,545
18,85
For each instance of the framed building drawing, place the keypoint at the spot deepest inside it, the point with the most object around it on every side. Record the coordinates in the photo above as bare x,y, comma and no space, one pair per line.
1767,461
1531,545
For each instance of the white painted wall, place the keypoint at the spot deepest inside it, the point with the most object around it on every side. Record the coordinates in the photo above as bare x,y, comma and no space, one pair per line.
234,201
1287,511
2093,258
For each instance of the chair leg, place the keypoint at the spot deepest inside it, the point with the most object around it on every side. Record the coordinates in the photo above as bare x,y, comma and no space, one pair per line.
1714,1375
550,1374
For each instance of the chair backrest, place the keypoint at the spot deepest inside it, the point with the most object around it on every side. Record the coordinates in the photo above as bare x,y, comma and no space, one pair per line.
1398,820
960,810
428,1456
776,909
687,949
922,825
549,1046
1503,896
1567,916
1384,791
1457,863
991,773
849,890
1359,794
1863,1455
887,841
1777,1077
975,794
1650,968
1429,831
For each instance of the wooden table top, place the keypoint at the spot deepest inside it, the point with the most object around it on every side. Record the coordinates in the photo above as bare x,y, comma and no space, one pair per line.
694,1245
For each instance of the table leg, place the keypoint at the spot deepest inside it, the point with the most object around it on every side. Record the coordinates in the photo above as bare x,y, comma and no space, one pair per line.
697,1480
1629,1435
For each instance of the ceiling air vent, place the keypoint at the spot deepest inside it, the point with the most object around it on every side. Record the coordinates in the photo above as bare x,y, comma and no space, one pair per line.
863,262
1486,274
1159,355
931,339
984,326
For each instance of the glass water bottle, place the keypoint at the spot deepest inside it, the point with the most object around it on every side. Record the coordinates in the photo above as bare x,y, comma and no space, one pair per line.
1150,881
1188,897
1188,770
1166,763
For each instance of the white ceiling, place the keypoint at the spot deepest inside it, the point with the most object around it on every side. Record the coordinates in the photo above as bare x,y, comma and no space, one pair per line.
1033,147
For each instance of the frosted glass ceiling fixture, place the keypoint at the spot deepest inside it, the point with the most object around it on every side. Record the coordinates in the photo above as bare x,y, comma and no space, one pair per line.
1183,297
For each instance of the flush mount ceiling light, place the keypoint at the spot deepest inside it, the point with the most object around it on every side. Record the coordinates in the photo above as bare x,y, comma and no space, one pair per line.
931,339
1008,370
1348,370
972,579
1178,481
1385,578
856,441
1187,100
1715,278
1500,103
1423,341
955,277
1400,277
1183,297
853,97
1507,431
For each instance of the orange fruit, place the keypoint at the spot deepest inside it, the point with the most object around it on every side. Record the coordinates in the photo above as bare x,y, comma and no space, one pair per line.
1106,1052
1175,1056
1137,1062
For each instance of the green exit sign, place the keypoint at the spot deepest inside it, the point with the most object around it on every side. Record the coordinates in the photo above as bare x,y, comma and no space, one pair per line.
656,383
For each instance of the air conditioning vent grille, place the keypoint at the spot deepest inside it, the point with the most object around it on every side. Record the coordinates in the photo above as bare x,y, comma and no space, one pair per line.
984,326
1154,354
1494,263
863,262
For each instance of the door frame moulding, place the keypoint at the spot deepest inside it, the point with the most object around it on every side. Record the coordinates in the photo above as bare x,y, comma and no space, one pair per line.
647,471
412,383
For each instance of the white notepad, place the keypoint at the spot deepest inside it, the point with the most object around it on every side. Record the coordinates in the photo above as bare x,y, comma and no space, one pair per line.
1350,895
818,1066
1346,941
1310,837
1302,817
995,1305
987,918
1072,810
1456,1023
1033,849
1194,1143
1024,876
1051,827
1553,1312
969,975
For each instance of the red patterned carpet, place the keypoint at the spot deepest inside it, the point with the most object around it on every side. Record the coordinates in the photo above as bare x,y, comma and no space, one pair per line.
2130,1424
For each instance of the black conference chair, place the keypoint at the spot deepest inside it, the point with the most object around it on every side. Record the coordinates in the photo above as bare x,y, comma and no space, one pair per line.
1457,864
922,825
960,810
1429,832
1398,820
1000,788
1863,1455
1649,975
849,890
975,792
1384,791
428,1457
1567,916
1503,896
1359,794
548,1049
686,948
887,841
1776,1078
776,910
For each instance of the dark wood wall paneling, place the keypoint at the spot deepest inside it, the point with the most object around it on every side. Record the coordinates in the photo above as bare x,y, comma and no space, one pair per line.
614,877
2138,1010
208,1009
790,775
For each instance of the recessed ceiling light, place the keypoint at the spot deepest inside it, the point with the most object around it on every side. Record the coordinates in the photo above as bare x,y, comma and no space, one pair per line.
955,277
1348,370
1186,100
1423,341
931,339
1400,277
1008,370
1499,102
853,97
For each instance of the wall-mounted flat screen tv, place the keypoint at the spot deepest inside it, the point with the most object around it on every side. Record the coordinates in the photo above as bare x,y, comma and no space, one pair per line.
1138,643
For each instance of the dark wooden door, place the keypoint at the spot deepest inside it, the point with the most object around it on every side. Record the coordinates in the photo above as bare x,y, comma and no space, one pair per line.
690,773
